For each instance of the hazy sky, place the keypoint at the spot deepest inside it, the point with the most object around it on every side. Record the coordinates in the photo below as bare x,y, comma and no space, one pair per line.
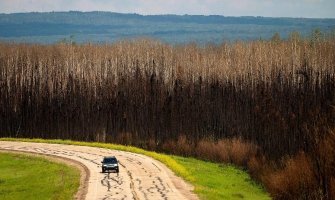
274,8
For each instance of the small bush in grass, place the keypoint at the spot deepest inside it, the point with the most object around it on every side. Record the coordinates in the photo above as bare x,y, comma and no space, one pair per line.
257,166
222,152
296,180
241,151
324,163
212,151
233,150
183,146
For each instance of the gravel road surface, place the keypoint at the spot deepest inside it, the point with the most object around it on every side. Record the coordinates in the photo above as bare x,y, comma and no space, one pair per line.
140,177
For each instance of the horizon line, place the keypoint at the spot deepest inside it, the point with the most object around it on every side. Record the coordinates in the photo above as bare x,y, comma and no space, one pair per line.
162,14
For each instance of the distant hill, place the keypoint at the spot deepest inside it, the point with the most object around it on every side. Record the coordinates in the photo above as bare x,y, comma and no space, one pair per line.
109,27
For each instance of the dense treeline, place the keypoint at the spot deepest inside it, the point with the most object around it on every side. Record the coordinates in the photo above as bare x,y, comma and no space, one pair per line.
51,27
279,95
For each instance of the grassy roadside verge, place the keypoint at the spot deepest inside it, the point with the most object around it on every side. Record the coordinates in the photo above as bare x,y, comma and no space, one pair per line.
32,177
211,180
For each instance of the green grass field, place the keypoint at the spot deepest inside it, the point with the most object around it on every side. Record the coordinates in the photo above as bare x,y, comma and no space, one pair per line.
211,180
217,181
31,177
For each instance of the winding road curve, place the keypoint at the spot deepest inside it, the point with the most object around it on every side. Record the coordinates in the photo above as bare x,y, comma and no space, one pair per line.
140,177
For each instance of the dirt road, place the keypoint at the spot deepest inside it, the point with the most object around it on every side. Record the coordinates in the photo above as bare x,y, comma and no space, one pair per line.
140,177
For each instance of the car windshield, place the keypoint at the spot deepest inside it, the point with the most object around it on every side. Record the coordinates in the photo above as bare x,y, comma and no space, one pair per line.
110,160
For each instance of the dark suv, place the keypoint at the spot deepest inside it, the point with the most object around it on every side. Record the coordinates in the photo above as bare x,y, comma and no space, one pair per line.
110,163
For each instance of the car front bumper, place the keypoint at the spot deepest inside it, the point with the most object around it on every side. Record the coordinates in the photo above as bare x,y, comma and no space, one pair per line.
105,168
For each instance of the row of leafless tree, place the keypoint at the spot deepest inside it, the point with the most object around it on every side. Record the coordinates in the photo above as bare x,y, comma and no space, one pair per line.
272,93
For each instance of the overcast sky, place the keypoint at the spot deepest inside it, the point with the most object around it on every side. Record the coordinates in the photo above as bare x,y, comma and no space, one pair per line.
272,8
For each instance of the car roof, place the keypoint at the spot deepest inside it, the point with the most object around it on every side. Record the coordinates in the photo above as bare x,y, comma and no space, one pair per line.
109,157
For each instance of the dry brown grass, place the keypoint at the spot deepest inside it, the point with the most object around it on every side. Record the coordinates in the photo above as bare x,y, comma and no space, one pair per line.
303,176
324,164
212,151
241,152
233,150
258,167
181,146
296,180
